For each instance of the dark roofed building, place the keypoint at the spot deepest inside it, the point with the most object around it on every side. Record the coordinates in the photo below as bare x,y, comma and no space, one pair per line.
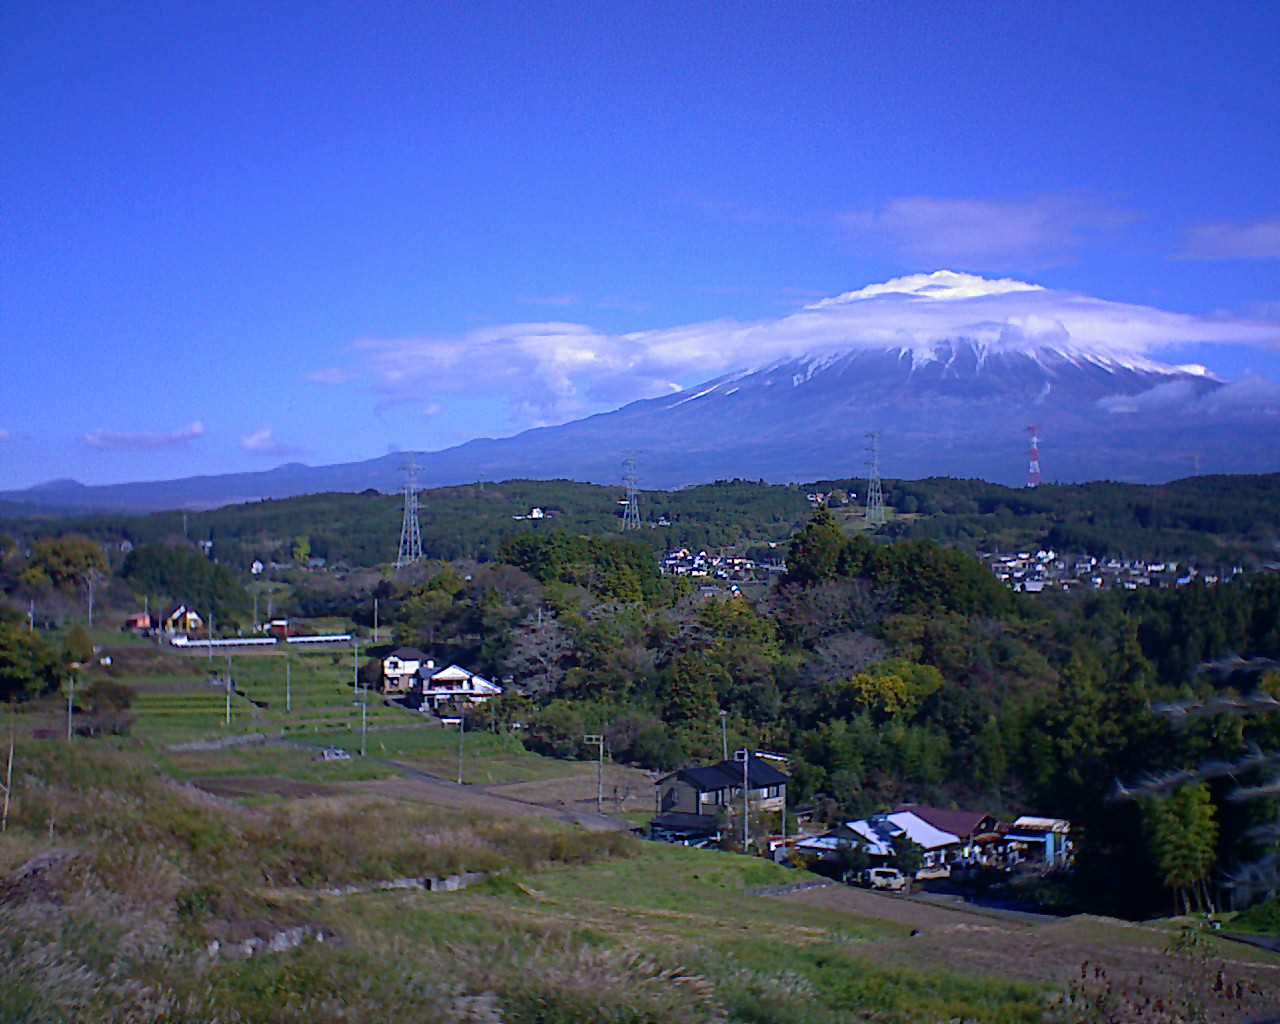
964,825
709,788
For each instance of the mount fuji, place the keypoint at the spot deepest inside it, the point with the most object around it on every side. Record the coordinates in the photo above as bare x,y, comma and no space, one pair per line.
949,368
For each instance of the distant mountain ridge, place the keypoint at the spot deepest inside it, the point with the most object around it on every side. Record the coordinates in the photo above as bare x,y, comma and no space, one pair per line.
956,408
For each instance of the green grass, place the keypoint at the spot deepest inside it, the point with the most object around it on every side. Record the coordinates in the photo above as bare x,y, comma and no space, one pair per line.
268,761
487,759
688,917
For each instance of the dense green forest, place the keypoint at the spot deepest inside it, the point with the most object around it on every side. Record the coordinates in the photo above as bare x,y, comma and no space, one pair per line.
1215,520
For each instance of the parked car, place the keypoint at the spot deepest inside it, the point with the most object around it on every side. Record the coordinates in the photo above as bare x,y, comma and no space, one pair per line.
334,754
887,879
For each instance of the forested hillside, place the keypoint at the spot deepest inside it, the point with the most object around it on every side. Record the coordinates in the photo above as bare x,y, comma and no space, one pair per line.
1216,520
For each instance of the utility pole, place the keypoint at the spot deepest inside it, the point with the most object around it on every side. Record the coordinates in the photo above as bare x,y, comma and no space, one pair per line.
8,784
744,756
355,666
724,734
461,721
228,688
90,585
288,684
71,702
209,645
598,740
255,611
364,723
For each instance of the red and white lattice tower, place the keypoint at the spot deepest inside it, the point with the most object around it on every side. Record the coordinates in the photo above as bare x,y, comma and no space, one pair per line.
1033,466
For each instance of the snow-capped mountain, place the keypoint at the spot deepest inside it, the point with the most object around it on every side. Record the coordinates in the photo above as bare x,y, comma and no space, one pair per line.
950,368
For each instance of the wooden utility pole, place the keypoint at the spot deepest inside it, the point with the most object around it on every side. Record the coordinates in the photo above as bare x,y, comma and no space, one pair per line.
461,721
744,756
71,701
8,785
364,722
228,688
288,683
598,740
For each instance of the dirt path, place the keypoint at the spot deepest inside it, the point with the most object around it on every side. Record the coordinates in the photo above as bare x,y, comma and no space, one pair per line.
1060,952
415,784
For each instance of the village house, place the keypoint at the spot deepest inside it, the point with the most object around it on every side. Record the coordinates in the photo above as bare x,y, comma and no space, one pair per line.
452,685
952,840
400,669
140,622
712,788
1044,842
407,671
182,621
879,835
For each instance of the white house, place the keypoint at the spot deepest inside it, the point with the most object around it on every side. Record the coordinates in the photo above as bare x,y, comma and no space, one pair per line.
454,684
400,669
878,834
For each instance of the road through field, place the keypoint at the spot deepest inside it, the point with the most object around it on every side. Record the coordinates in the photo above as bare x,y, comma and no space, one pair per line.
417,784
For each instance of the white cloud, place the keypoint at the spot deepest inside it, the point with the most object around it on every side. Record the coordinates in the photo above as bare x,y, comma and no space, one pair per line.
552,371
263,442
1222,240
114,440
981,233
1250,395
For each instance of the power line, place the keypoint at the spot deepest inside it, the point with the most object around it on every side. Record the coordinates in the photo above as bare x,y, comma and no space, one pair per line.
875,497
410,531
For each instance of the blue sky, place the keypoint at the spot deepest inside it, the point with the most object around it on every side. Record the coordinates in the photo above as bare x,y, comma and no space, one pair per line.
233,235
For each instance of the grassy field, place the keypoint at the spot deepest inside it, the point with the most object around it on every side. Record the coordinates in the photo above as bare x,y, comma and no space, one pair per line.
139,875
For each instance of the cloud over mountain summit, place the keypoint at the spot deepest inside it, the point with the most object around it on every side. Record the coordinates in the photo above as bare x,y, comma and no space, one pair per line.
548,372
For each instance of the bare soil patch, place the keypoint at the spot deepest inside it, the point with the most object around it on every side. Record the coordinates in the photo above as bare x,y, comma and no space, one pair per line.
418,786
234,787
626,790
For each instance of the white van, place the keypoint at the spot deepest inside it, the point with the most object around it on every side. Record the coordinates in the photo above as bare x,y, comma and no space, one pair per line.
887,879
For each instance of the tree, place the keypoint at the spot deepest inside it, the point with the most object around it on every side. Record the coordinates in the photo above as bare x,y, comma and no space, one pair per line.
691,692
79,646
1183,832
816,550
908,856
28,666
109,704
66,561
538,654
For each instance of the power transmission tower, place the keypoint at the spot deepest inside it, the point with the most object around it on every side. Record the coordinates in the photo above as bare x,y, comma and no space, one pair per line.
875,497
1033,457
410,532
631,514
